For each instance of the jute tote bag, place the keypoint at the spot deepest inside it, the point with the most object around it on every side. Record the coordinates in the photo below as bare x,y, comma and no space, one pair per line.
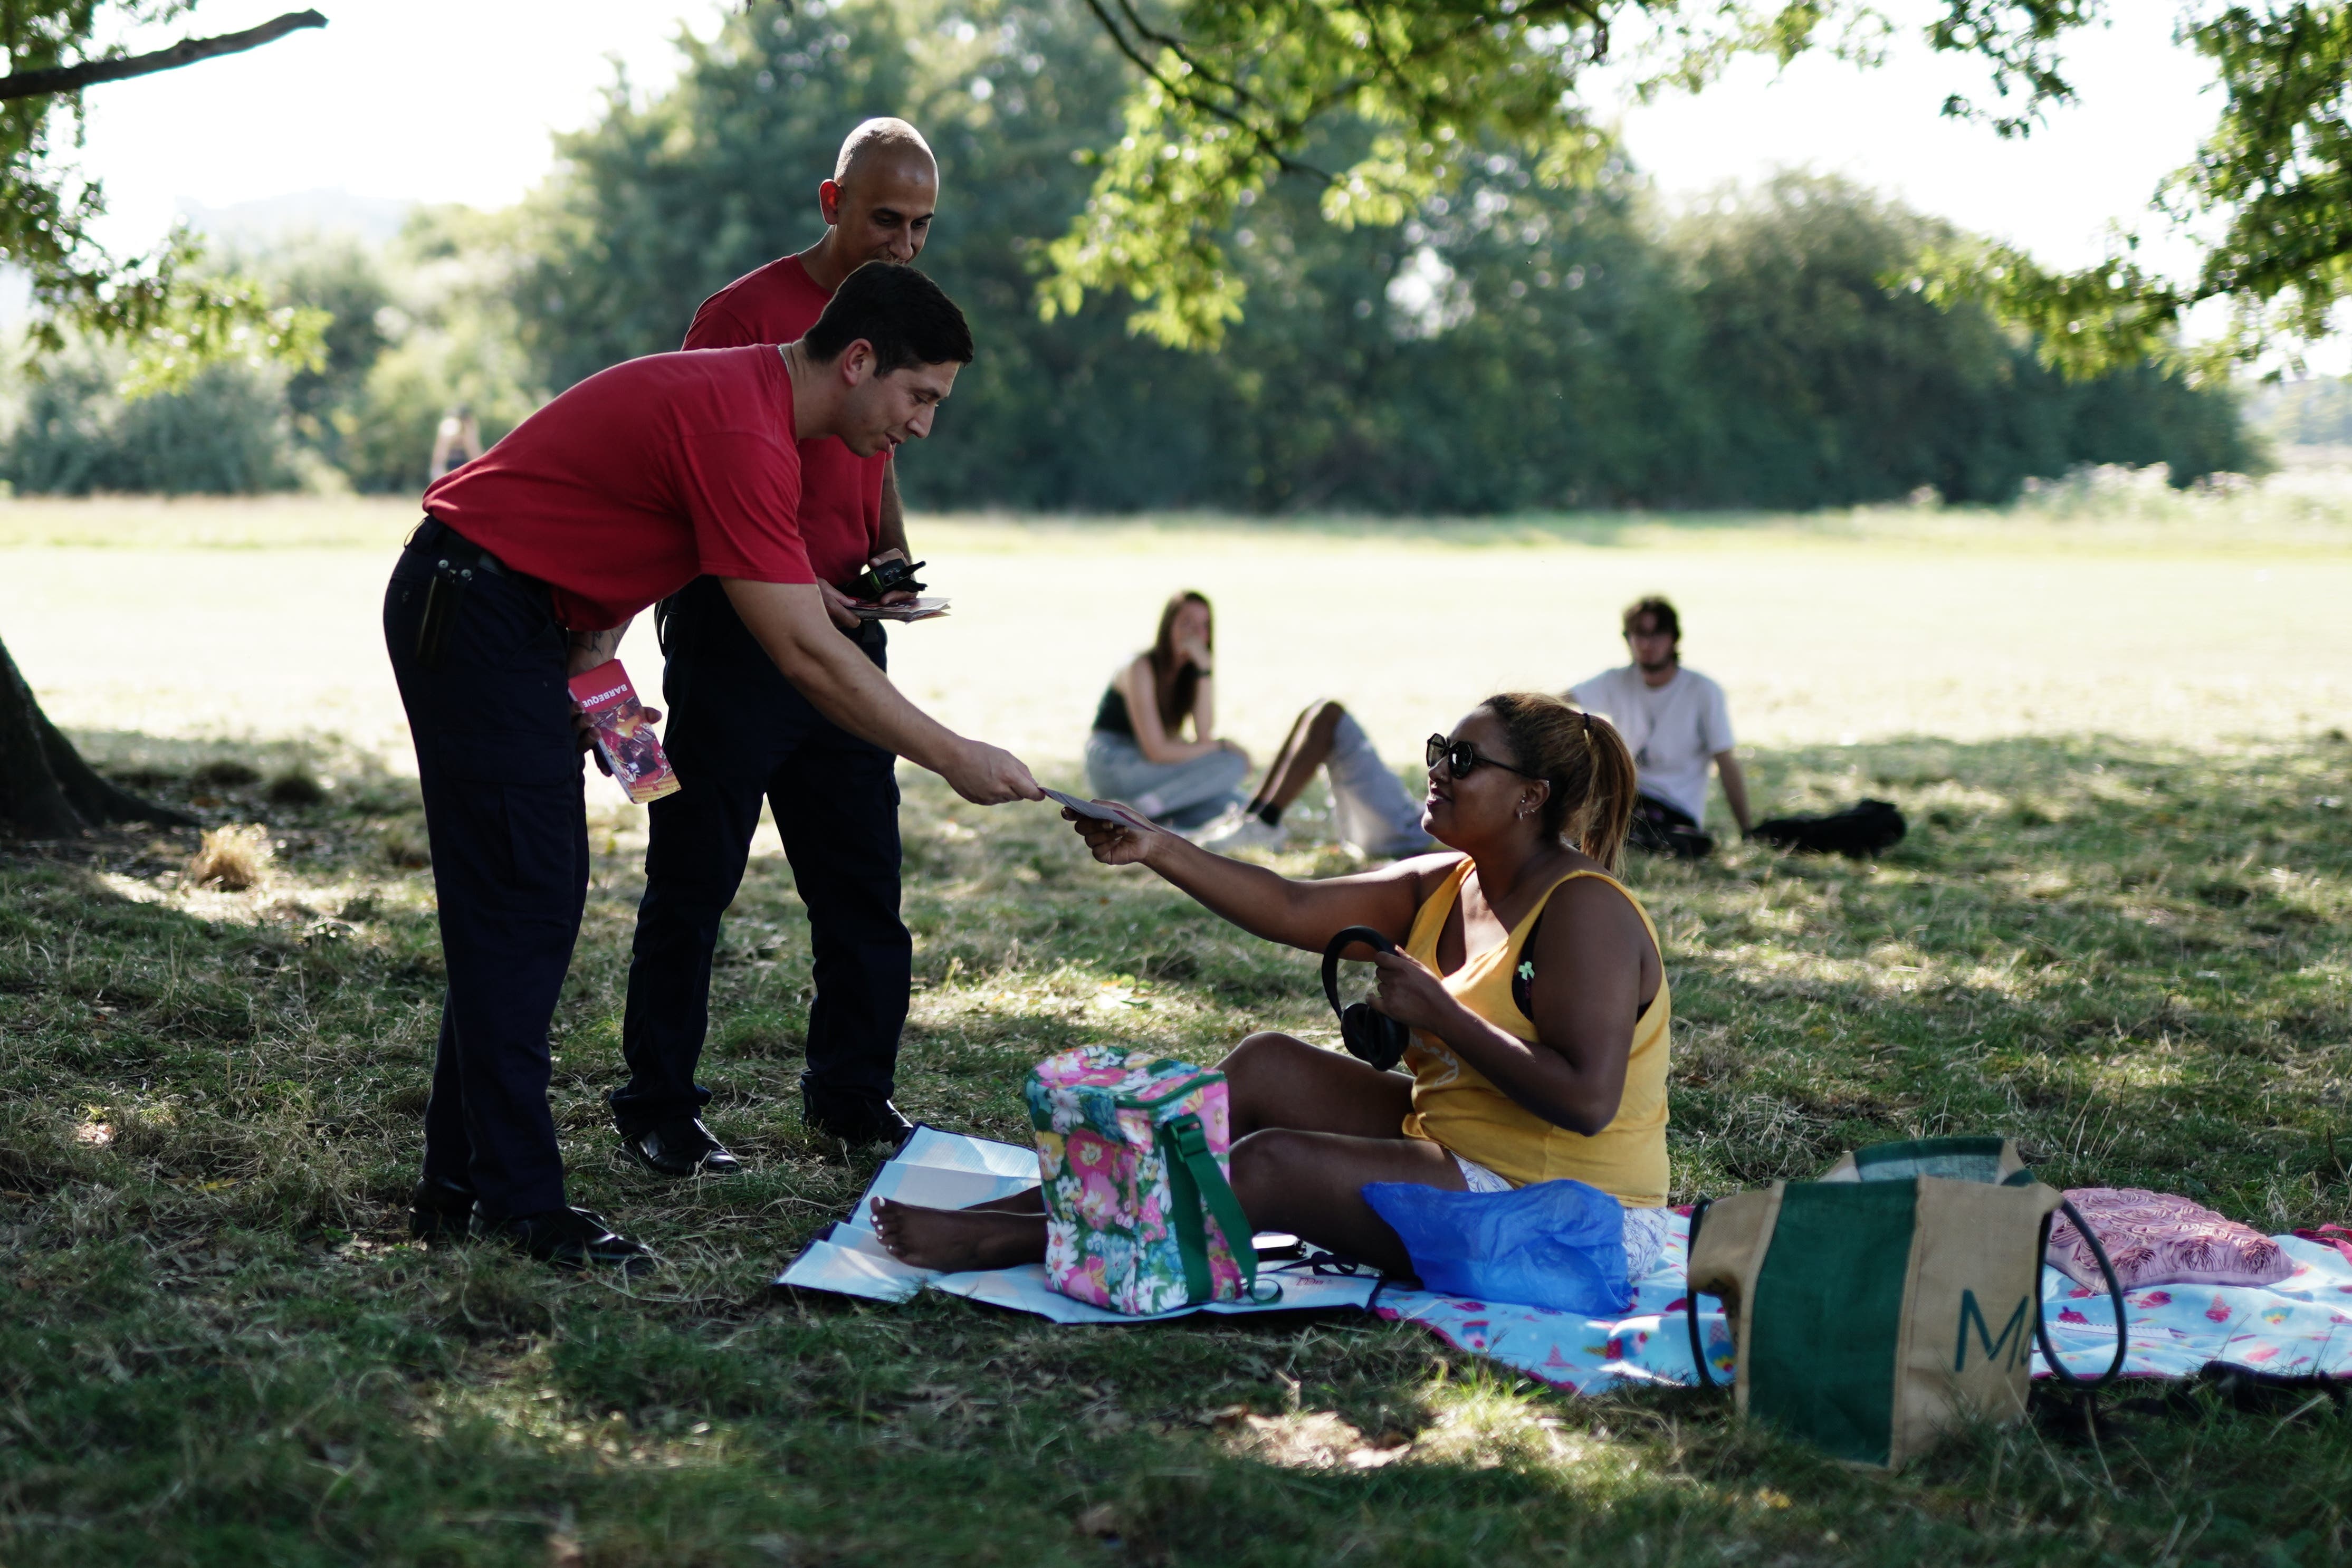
1879,1305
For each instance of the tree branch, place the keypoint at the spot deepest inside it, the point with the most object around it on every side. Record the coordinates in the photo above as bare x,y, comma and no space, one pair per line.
187,52
1268,143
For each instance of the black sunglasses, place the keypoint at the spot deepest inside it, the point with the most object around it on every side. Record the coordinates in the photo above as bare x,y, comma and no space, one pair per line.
1461,759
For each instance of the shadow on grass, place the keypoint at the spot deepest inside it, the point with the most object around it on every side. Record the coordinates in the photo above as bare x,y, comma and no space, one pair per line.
216,1345
2129,957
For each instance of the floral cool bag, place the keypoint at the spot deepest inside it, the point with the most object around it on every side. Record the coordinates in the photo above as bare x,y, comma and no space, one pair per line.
1141,1216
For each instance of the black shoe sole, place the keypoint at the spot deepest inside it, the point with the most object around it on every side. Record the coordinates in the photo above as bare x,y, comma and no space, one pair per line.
436,1229
861,1137
700,1167
629,1263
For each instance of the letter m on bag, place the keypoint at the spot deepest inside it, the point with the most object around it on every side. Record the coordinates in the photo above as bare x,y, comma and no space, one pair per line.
1972,1313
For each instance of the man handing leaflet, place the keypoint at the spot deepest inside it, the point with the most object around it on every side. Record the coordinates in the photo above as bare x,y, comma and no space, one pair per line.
531,563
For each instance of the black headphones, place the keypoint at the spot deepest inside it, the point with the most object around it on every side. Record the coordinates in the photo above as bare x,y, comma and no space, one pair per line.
1370,1035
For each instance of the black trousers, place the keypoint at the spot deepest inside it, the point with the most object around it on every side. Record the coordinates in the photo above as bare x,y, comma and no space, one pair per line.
500,769
739,731
1665,829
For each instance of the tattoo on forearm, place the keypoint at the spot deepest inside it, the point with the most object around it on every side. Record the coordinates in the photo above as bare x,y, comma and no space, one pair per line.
589,649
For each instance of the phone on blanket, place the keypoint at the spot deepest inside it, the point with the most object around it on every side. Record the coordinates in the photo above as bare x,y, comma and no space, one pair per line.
1126,816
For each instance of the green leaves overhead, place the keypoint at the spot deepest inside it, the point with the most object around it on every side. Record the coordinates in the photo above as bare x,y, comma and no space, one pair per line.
2268,198
175,318
1379,103
2020,39
2278,168
1385,104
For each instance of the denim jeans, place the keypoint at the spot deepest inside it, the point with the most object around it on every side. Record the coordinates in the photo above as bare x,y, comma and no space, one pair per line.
1175,795
1368,806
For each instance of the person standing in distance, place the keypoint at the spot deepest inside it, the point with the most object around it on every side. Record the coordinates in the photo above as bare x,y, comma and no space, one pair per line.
531,563
1675,722
740,731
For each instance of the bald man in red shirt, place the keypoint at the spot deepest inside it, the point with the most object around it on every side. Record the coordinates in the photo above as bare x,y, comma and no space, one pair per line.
742,732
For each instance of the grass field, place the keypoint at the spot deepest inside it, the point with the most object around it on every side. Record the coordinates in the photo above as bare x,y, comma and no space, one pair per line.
2118,933
2112,611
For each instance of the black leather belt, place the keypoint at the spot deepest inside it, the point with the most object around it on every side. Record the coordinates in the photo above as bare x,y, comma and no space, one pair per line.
452,549
455,560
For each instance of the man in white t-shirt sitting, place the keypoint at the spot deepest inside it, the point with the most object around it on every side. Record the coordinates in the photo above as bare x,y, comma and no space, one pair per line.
1674,722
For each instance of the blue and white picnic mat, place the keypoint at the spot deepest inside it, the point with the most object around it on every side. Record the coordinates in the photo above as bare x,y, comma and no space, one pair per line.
948,1171
2300,1327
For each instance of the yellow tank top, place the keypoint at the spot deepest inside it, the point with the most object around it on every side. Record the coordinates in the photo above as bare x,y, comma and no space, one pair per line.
1454,1105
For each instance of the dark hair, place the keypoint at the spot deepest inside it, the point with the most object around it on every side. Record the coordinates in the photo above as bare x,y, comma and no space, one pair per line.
1583,759
1175,688
1657,607
902,313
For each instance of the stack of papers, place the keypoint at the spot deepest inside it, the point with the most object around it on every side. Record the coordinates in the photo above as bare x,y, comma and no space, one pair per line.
910,610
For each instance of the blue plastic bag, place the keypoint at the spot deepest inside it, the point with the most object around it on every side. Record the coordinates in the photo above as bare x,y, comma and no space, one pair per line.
1550,1244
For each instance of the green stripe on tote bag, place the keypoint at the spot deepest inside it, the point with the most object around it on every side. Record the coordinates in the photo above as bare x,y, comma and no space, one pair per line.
1828,1316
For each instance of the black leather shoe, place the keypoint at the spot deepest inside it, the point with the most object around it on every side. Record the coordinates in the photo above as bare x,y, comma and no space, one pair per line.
681,1148
568,1238
857,1124
440,1210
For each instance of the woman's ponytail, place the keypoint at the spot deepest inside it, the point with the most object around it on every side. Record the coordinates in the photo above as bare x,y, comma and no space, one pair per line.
1608,815
1583,759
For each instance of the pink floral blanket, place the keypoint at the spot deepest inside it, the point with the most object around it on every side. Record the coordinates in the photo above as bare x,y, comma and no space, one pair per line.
2299,1326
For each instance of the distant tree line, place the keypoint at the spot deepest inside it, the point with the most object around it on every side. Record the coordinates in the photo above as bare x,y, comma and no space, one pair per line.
2314,412
1510,347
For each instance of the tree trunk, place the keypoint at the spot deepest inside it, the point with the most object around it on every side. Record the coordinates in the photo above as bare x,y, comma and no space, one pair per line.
47,791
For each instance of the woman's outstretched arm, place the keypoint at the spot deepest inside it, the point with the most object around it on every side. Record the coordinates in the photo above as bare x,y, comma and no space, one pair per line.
1595,971
1264,903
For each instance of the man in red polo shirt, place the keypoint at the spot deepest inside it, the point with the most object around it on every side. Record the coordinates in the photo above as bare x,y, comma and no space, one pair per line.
742,732
531,563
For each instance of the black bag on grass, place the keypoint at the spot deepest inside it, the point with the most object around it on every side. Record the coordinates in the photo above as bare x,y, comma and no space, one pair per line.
1863,829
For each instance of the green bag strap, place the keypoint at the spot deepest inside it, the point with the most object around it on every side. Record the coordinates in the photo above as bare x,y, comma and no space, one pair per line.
1195,1183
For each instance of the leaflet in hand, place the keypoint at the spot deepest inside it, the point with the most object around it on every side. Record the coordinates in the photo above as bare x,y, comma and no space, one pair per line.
623,734
911,610
1125,816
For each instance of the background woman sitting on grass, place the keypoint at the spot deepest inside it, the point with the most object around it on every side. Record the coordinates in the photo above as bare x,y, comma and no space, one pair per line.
1137,752
1531,978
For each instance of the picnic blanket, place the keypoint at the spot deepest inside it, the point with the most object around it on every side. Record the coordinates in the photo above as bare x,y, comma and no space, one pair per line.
948,1170
2299,1327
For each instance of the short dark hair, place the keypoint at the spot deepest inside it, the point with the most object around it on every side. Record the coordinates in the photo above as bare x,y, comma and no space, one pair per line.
1658,609
902,313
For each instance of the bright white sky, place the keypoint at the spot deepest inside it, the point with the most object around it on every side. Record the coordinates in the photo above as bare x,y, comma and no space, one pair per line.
453,100
440,100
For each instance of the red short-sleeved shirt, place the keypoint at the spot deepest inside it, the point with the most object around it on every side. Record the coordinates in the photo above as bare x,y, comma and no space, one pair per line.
840,492
640,478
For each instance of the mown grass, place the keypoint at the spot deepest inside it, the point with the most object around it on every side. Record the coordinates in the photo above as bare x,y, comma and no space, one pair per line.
216,1346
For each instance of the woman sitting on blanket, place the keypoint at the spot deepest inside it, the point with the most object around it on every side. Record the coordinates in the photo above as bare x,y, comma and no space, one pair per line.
1531,978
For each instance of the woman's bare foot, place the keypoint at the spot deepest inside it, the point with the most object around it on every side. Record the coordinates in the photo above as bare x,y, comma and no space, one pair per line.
953,1241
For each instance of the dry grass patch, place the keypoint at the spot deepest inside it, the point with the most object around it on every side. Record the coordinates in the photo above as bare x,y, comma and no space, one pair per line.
231,859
